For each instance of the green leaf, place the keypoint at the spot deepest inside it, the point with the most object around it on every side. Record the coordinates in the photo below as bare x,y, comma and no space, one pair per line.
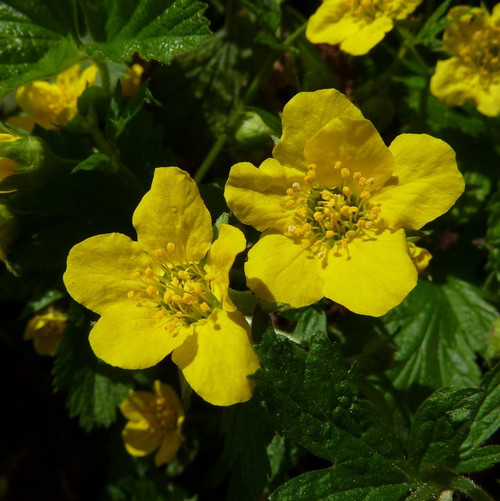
311,322
155,29
314,400
40,38
95,161
437,341
440,426
247,433
436,23
480,459
363,479
94,389
487,417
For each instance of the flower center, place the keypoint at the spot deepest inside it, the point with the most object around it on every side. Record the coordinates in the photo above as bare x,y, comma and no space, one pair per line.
182,291
370,9
160,416
483,54
330,216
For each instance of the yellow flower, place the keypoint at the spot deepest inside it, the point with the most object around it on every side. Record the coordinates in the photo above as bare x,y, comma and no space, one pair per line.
333,202
420,257
53,104
7,166
155,422
132,81
168,292
46,330
472,73
357,25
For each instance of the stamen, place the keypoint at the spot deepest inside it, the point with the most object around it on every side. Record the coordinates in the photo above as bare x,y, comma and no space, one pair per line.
130,294
170,247
344,173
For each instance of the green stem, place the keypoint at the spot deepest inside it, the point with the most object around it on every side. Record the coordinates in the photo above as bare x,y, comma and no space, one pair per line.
424,493
235,115
127,176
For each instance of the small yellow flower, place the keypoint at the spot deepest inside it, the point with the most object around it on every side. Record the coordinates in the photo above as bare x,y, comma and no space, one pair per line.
132,80
333,202
168,292
420,257
46,330
51,105
472,73
357,25
155,422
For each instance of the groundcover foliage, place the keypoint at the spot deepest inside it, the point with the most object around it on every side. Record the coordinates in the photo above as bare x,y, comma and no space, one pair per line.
250,250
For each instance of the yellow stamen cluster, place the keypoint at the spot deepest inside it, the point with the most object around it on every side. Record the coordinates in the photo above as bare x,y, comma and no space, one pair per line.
181,291
160,416
370,8
327,216
482,56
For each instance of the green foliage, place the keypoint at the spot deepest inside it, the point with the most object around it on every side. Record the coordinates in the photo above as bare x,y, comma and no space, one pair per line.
438,331
41,39
94,390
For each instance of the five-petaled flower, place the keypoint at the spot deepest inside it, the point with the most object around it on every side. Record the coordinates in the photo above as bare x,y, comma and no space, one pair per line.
51,105
333,202
168,292
155,422
472,73
357,25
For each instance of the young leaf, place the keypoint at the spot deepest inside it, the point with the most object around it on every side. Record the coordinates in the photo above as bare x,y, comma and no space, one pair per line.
479,459
440,426
311,322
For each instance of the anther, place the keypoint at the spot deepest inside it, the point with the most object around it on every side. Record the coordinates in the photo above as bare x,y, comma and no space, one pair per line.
305,244
290,203
296,186
311,167
204,307
177,298
209,278
362,181
329,234
318,216
183,275
151,291
364,195
130,293
150,273
356,176
137,274
346,191
170,247
292,228
289,192
370,181
345,173
160,253
338,165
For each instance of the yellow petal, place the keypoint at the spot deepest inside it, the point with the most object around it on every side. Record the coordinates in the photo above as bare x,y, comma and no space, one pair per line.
170,444
453,83
372,275
428,182
137,404
300,124
217,359
221,257
332,23
139,440
367,37
400,9
173,212
100,270
133,338
357,145
280,270
168,394
467,20
257,196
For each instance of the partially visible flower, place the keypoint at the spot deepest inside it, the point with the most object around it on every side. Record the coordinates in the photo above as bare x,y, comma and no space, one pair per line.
168,292
132,80
333,203
419,256
7,166
9,228
51,105
155,422
357,25
472,73
25,162
46,331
